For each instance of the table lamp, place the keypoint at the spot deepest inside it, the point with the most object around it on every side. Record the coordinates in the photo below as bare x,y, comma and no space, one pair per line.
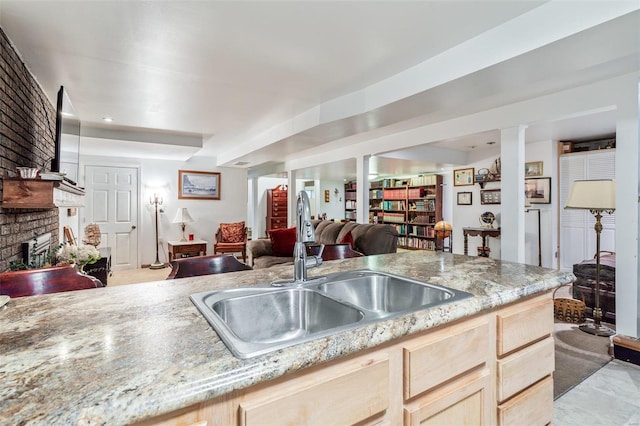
182,217
597,196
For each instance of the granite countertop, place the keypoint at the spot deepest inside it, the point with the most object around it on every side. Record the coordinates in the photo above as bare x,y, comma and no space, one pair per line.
117,355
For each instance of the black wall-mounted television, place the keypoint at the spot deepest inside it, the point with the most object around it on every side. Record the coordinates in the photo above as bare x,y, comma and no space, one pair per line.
67,143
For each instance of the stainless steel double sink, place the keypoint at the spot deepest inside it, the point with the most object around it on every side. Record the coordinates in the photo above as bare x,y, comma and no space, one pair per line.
256,320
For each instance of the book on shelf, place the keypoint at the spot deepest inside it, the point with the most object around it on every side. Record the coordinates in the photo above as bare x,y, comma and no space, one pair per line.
393,205
392,217
394,194
420,231
350,204
375,193
350,195
416,243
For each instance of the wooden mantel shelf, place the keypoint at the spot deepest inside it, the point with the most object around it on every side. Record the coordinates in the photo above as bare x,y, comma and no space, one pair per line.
20,193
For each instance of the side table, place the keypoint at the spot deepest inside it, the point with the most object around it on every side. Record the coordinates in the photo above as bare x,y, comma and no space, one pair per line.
181,249
478,232
102,268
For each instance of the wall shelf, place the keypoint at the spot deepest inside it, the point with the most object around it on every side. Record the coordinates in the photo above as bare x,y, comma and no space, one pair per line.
483,182
18,193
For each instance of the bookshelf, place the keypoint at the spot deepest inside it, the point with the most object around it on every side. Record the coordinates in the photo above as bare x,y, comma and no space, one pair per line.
350,189
413,206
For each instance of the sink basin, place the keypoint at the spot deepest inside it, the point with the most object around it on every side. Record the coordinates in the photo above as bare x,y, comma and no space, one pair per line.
283,315
252,321
384,294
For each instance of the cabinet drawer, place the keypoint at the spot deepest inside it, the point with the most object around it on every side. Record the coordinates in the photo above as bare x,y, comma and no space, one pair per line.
520,325
346,399
443,355
277,222
532,407
523,368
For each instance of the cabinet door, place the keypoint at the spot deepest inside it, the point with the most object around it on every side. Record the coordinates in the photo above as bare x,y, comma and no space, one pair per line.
461,403
348,398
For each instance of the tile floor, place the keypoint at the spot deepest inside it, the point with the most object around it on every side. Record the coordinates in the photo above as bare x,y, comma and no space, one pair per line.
609,397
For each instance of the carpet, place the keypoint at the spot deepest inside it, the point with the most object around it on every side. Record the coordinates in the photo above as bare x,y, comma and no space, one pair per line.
578,355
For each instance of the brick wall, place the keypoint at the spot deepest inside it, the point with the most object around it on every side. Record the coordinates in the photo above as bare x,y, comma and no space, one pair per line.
27,128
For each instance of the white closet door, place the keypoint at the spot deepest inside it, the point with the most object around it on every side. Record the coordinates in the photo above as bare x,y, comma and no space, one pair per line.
577,233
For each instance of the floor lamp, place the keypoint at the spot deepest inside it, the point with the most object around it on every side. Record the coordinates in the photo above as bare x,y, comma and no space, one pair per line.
156,201
597,196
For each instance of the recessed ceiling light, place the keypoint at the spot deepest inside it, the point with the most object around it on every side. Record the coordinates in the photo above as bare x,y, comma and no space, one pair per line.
491,142
240,163
107,119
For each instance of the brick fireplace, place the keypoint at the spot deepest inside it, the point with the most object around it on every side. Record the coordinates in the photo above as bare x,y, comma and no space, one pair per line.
27,127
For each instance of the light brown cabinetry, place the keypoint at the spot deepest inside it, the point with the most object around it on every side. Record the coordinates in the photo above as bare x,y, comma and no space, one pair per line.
525,363
277,207
351,394
493,368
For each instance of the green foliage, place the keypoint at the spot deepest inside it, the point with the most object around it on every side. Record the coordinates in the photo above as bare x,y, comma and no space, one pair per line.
41,260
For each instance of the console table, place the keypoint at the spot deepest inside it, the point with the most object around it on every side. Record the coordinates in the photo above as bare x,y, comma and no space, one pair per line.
478,232
102,268
181,249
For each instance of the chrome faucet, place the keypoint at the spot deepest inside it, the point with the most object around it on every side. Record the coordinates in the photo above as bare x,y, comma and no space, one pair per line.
304,234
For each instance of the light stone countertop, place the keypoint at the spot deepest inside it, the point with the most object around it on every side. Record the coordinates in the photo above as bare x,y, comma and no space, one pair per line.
122,354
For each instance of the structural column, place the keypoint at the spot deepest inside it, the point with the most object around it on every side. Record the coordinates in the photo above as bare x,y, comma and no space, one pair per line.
362,193
512,221
292,197
627,219
251,211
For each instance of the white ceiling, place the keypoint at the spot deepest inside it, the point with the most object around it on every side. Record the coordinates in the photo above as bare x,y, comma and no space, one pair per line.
258,81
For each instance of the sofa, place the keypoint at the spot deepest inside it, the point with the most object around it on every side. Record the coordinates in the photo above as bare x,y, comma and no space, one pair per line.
368,239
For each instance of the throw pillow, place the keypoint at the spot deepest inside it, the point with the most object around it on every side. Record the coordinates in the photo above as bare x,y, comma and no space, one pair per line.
232,232
347,239
282,241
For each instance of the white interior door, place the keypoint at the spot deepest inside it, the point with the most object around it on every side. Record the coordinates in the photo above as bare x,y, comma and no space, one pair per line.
112,203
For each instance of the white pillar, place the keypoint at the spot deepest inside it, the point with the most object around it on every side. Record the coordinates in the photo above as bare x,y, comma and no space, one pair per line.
362,192
512,220
292,197
252,207
627,219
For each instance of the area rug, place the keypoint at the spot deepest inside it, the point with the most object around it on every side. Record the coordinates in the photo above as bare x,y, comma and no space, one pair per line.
578,355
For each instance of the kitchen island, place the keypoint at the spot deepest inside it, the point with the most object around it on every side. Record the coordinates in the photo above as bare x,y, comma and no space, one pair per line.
144,353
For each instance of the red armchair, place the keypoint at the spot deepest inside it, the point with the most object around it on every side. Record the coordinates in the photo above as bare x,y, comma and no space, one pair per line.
231,238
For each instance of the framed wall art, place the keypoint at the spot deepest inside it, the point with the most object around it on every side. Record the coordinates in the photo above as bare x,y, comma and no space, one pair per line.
465,198
194,185
533,168
538,190
463,177
490,196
